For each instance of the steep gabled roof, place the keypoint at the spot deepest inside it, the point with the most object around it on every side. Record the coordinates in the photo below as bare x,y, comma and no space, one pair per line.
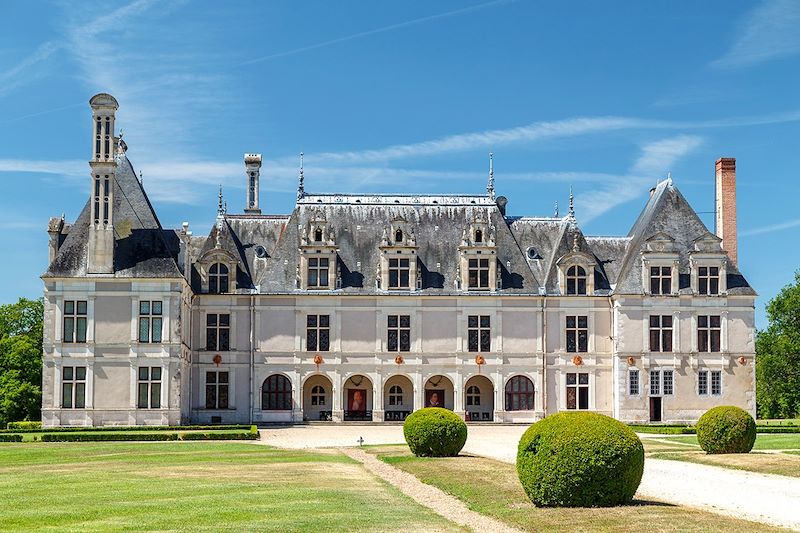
143,249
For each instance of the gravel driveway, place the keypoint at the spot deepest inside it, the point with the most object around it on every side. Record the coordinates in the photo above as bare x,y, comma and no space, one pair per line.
765,498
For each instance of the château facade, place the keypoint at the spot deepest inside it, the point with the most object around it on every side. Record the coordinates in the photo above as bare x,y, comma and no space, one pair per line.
365,307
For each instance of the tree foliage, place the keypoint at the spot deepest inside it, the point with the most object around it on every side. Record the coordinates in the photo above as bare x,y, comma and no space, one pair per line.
778,356
21,360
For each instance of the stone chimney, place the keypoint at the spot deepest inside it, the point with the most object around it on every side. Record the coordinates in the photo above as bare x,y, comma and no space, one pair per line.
725,205
252,164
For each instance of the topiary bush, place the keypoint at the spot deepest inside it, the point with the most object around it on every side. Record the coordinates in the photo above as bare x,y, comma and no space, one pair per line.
726,429
25,424
435,432
580,460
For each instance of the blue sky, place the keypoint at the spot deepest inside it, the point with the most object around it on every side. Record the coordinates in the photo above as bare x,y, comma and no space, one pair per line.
407,97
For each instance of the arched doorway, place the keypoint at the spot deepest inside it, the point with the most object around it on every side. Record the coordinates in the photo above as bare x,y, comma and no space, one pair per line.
479,399
357,398
520,394
398,398
439,392
276,393
318,398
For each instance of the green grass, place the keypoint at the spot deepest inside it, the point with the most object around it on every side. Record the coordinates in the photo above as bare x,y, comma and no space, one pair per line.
772,441
492,488
196,486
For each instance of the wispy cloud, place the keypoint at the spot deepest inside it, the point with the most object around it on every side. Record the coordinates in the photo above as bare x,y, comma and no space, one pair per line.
62,168
770,31
21,73
367,33
771,228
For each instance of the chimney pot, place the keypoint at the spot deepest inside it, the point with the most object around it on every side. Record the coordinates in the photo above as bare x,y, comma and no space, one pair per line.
725,205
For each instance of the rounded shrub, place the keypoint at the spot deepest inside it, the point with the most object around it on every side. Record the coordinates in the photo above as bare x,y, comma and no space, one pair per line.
726,429
435,432
580,460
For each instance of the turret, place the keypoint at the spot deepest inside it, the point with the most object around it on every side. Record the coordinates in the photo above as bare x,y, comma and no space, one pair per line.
103,171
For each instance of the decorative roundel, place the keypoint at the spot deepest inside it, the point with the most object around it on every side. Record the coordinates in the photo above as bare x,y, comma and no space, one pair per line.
318,360
338,199
577,360
631,361
480,360
415,200
217,359
742,360
399,360
261,251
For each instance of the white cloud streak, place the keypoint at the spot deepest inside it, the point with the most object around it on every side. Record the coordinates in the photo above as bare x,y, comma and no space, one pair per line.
770,31
20,73
771,228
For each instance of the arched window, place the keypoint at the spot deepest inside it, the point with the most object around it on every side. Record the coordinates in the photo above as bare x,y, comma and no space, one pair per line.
519,394
318,235
276,393
576,280
317,395
473,395
395,395
218,279
478,235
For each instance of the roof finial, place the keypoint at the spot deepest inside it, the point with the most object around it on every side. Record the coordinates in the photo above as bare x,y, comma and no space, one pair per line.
220,209
490,185
141,178
556,215
301,190
571,203
669,178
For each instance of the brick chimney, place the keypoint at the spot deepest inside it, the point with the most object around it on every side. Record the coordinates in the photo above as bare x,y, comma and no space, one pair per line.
725,205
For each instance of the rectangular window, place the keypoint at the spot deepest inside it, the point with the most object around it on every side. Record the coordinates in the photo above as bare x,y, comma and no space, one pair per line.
318,333
660,280
709,332
667,382
702,382
218,332
479,333
716,382
150,321
633,382
399,273
577,390
660,333
75,321
217,384
149,387
318,273
655,383
478,273
399,333
708,280
577,334
73,387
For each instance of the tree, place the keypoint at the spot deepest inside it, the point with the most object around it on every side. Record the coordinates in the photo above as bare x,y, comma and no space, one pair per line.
778,356
21,326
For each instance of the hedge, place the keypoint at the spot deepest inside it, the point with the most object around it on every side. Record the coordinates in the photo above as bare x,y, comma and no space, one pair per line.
664,430
74,429
726,429
580,460
25,424
250,434
10,438
435,432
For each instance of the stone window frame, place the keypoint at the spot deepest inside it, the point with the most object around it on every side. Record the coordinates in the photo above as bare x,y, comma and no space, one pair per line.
231,329
151,317
399,329
149,383
76,316
573,259
479,328
318,395
634,372
57,379
659,385
473,396
589,386
217,256
318,328
404,249
697,261
231,388
577,329
74,381
710,330
662,330
709,373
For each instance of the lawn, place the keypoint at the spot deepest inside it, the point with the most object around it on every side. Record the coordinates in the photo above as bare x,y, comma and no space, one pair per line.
197,486
492,488
686,448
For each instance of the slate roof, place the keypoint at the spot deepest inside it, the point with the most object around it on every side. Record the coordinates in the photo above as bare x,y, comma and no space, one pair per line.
143,249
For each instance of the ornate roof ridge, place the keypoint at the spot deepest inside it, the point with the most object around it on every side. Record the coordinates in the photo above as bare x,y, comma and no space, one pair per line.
396,199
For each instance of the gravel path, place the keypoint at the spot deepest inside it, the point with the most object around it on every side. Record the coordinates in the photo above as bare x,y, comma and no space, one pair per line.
434,499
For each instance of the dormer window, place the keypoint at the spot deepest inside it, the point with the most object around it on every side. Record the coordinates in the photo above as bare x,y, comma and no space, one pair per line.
478,275
478,236
218,279
661,280
318,235
576,280
399,273
708,280
318,273
398,236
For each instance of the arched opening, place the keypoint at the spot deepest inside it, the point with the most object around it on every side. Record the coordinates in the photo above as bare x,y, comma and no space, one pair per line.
439,392
276,393
478,235
318,235
576,280
479,399
357,398
398,398
398,236
519,394
218,279
318,398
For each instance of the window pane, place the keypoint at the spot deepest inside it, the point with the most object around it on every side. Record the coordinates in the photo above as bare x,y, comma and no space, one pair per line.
211,377
713,286
223,377
571,398
571,341
484,321
473,321
405,321
715,321
654,338
144,329
473,341
583,322
324,321
311,320
715,344
570,321
155,373
157,330
80,395
143,395
81,308
583,379
66,396
405,341
311,340
224,320
144,308
394,280
211,396
654,321
67,373
667,341
583,341
583,397
571,378
80,373
144,373
702,321
155,396
69,329
392,340
211,339
223,397
324,340
80,333
323,278
404,278
224,339
486,340
69,307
